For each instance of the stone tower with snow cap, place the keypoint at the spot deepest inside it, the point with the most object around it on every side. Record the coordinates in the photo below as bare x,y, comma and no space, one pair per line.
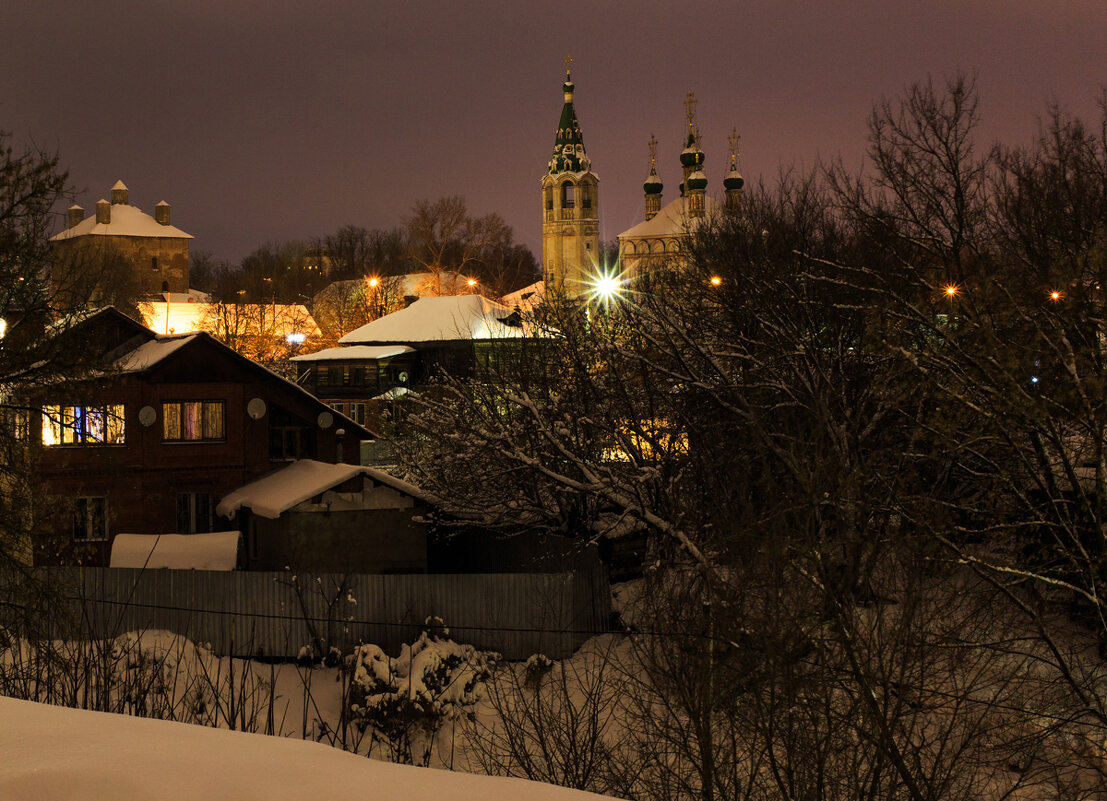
570,206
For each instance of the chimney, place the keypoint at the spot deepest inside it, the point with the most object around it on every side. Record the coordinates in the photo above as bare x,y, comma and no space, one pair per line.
161,213
76,214
103,212
120,195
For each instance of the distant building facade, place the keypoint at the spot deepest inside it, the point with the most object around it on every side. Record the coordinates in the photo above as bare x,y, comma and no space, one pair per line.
153,250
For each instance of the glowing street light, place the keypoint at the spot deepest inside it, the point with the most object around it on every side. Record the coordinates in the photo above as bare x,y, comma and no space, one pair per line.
374,281
1055,295
472,282
951,291
606,286
716,280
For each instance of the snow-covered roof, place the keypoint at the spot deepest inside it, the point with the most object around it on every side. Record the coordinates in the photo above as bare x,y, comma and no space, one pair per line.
272,495
672,220
215,551
150,353
461,317
54,752
354,353
126,220
191,296
527,298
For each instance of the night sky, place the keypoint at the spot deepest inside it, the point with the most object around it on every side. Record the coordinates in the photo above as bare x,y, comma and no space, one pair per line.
273,120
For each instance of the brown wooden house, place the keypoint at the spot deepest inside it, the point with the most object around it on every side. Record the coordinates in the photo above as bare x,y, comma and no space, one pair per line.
152,442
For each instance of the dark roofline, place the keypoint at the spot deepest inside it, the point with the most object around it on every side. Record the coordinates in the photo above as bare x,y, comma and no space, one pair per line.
249,364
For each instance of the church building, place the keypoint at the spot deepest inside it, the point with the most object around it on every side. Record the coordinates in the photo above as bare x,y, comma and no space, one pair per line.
570,201
664,232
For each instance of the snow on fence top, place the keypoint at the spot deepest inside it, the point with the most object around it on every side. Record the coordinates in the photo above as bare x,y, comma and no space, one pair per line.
216,551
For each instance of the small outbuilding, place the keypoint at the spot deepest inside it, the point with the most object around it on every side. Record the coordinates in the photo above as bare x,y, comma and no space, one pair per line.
330,518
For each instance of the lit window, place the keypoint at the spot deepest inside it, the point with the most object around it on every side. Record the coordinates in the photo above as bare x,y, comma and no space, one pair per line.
90,519
83,425
193,421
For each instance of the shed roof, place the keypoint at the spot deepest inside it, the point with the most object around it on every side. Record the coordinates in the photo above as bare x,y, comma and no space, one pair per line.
273,494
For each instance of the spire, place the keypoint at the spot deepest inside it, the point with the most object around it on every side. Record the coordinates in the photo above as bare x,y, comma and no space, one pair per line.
691,158
568,153
733,181
653,186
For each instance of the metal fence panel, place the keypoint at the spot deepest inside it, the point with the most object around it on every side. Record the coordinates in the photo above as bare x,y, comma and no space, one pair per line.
276,614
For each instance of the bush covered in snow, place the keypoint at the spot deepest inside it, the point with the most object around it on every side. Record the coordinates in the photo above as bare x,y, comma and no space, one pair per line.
405,701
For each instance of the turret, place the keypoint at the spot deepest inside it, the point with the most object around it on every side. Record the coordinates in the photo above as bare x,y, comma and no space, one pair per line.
103,212
74,215
161,213
653,186
733,182
120,195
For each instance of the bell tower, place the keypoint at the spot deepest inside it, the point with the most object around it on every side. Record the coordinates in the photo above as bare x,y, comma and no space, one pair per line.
570,206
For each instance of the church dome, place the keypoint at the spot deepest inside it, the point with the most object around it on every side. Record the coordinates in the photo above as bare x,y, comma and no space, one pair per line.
653,185
697,181
733,180
691,156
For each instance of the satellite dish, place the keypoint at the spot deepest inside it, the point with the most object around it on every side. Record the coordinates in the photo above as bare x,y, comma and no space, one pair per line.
147,416
403,377
255,408
325,419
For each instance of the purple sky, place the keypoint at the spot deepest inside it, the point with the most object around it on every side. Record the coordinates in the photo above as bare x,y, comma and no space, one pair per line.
271,119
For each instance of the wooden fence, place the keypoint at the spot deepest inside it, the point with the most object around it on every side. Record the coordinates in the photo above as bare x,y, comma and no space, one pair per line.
276,614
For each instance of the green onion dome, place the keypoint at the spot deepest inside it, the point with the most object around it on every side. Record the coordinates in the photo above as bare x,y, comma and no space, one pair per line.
653,185
733,180
691,156
697,181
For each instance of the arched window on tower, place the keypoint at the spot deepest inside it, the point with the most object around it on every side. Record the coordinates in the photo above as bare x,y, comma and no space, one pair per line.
586,195
154,263
548,192
568,196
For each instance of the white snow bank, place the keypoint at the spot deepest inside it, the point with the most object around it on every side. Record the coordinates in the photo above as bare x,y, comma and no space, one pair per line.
462,317
48,752
215,551
273,494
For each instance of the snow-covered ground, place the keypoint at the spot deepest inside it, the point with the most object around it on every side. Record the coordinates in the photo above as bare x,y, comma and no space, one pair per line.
50,753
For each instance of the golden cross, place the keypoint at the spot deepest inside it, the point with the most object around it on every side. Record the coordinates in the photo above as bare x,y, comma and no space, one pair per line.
568,64
734,139
653,153
690,104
